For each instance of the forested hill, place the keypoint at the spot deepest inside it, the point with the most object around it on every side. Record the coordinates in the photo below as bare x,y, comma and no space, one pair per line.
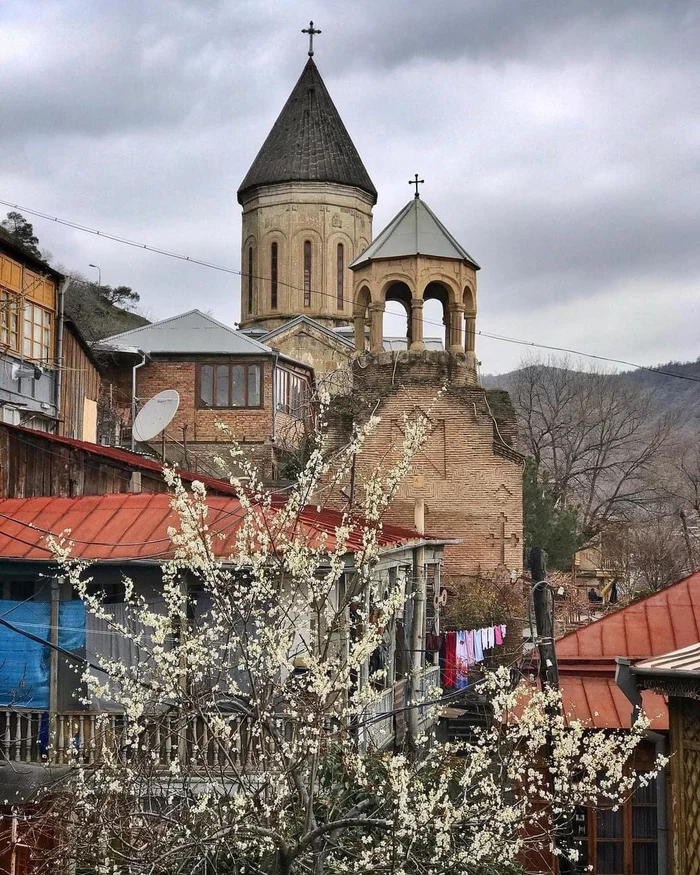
96,316
668,391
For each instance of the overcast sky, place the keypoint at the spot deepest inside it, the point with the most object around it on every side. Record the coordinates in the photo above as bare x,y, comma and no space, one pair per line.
559,142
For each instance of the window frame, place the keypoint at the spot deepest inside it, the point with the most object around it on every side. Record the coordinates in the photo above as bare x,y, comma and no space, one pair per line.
11,325
44,325
308,272
246,365
283,381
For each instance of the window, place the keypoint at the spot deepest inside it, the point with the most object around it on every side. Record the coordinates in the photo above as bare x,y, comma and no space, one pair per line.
36,332
250,280
229,385
307,273
341,271
9,320
292,393
273,276
623,841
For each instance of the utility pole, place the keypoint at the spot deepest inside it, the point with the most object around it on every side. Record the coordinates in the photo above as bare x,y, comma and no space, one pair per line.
543,600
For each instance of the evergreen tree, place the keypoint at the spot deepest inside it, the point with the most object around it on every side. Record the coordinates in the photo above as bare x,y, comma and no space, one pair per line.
545,523
22,232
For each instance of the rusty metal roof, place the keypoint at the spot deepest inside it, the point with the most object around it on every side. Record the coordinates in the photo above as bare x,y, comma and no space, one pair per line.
125,527
653,626
125,457
600,703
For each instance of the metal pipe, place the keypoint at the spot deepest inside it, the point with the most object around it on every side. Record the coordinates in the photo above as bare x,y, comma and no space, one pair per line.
134,399
58,358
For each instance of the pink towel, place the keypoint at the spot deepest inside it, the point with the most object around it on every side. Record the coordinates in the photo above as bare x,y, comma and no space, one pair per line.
499,637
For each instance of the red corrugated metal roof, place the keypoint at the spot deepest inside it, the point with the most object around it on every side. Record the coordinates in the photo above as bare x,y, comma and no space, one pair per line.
125,457
655,625
135,527
600,703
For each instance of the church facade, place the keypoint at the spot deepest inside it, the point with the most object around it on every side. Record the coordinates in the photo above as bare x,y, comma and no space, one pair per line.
315,286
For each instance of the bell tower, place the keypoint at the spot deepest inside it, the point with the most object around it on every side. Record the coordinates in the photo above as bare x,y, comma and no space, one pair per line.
307,213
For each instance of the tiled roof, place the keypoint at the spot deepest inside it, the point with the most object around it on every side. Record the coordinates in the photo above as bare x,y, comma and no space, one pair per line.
653,626
193,332
126,527
415,230
308,142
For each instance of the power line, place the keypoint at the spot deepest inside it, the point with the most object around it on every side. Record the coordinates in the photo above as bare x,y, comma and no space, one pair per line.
159,251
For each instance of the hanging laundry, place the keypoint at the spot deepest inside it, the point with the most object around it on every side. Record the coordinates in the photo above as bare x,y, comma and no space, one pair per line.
450,674
490,637
471,659
478,646
498,635
462,665
484,638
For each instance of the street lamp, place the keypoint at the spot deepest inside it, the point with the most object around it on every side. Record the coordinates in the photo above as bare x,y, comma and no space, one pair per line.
99,274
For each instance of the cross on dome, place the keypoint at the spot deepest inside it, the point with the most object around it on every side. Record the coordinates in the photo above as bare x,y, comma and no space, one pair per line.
312,31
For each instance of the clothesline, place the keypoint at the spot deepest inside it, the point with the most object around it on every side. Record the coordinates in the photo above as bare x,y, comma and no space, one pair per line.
459,651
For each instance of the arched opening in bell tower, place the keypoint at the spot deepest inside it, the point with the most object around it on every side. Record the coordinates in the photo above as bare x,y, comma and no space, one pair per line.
436,312
397,316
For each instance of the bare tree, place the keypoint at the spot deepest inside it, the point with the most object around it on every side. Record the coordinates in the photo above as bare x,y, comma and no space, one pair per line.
594,437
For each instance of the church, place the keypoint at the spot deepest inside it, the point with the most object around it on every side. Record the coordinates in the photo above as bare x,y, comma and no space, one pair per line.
315,285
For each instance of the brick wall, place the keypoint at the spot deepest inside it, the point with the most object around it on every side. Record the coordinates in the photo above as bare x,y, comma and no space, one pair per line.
470,479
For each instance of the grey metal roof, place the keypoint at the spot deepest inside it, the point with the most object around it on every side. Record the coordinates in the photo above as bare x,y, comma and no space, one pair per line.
308,142
191,332
396,344
677,663
415,230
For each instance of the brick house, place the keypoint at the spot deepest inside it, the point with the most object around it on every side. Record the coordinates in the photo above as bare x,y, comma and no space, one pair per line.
224,378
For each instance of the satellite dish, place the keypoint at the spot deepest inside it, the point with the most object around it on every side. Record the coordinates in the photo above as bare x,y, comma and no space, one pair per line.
156,414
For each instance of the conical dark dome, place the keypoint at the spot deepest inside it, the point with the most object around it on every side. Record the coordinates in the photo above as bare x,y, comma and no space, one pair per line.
308,142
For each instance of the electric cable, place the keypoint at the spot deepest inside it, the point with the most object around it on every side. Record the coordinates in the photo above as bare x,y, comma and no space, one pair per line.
157,250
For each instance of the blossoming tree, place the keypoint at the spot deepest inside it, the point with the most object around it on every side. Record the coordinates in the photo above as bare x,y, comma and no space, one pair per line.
281,774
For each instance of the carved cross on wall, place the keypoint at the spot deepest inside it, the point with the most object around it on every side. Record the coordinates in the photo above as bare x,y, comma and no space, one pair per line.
501,538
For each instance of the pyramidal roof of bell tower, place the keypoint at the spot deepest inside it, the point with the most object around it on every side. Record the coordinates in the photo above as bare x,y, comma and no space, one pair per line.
308,143
414,230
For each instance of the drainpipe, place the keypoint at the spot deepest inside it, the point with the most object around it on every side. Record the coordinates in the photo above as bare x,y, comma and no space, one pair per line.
134,399
58,359
627,682
418,624
274,398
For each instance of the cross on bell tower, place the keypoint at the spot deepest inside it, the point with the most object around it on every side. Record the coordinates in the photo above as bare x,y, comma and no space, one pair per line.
312,31
415,181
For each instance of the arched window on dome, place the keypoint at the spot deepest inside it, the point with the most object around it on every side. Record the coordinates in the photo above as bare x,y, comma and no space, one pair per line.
250,280
307,273
340,288
273,276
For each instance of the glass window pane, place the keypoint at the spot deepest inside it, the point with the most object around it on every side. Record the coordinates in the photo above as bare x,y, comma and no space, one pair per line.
609,823
38,333
644,795
643,822
609,857
254,386
27,348
645,858
238,386
222,386
206,385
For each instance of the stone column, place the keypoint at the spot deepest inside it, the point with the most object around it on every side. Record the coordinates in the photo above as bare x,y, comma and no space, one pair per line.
470,343
360,323
376,330
417,324
454,328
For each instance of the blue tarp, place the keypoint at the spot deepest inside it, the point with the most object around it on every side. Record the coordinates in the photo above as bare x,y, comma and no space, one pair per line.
24,664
